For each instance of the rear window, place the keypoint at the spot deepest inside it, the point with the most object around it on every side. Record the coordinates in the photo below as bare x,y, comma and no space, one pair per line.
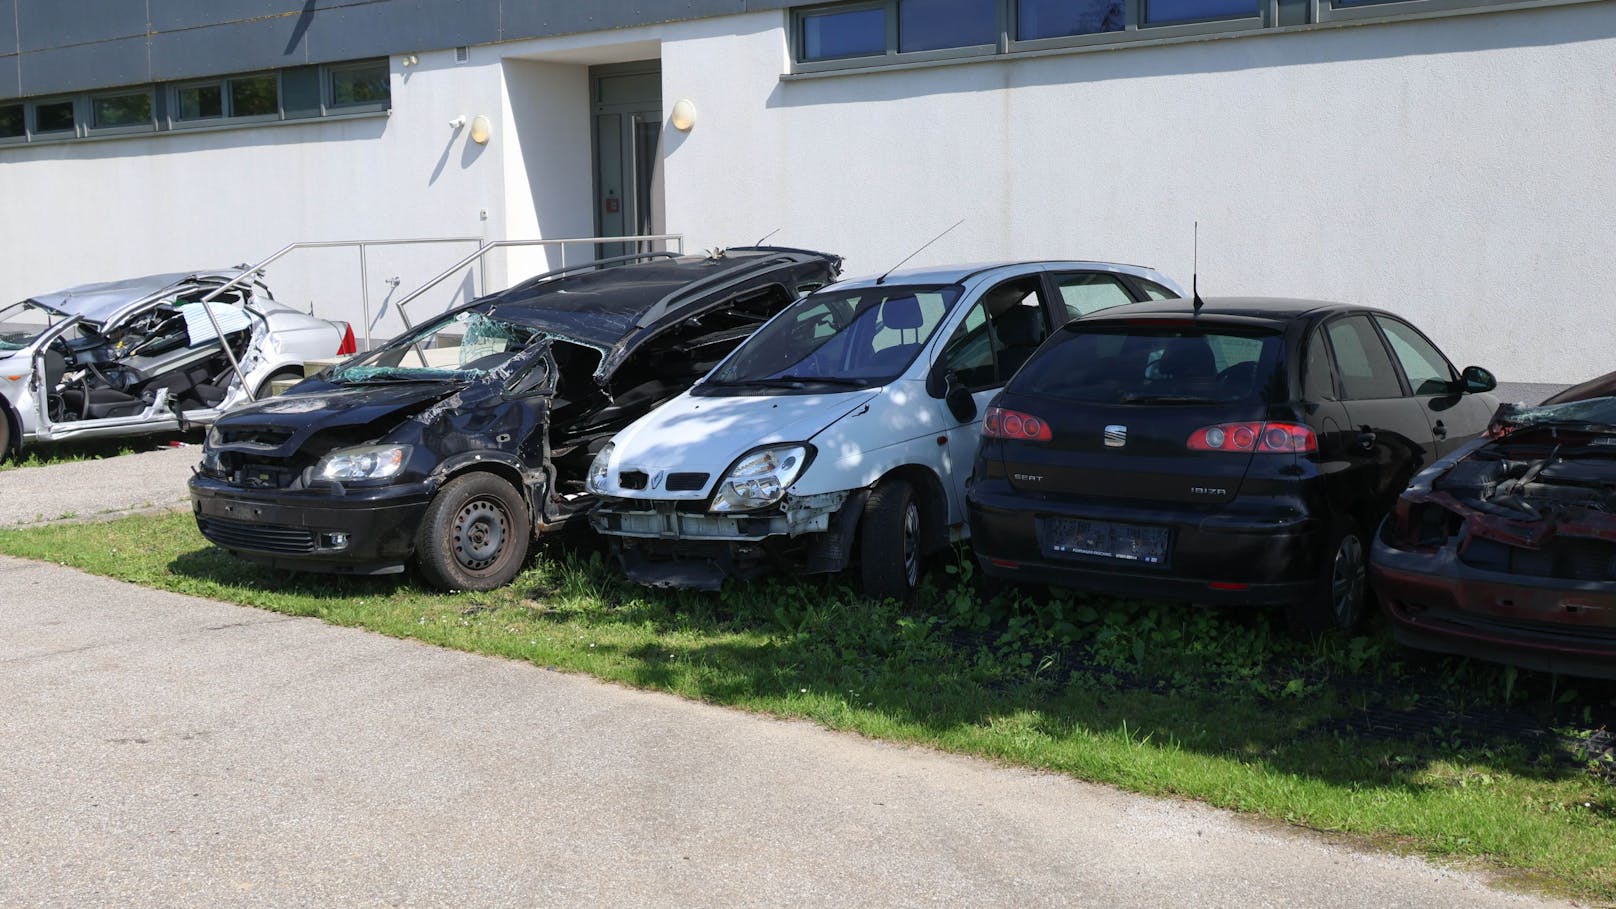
1145,363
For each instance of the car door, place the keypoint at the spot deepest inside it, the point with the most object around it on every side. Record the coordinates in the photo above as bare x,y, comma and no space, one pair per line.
1000,330
1433,382
1390,438
1078,293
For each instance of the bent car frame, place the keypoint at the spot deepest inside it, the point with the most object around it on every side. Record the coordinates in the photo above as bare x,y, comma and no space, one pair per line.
456,444
146,355
1506,550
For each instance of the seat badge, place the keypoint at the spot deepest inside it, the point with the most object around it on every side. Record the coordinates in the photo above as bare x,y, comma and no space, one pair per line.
1116,436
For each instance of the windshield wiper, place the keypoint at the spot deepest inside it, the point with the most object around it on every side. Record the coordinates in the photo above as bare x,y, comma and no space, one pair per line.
824,380
791,382
1166,399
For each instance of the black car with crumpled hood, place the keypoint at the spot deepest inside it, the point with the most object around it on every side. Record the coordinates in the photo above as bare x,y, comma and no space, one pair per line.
456,444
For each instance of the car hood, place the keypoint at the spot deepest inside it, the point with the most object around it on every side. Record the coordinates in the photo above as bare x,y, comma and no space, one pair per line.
709,434
279,426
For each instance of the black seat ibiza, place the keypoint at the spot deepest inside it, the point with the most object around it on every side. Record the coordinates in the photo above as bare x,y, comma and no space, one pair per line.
1239,452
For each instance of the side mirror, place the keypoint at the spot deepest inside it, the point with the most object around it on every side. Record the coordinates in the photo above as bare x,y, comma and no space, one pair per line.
959,400
1477,380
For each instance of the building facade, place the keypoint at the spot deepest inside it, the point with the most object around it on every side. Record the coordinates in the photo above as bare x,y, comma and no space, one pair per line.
1444,159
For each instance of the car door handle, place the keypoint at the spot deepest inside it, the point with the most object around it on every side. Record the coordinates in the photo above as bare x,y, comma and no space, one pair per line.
1439,430
1366,439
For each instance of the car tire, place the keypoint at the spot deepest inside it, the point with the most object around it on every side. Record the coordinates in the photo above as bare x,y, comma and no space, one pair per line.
1339,600
890,541
475,534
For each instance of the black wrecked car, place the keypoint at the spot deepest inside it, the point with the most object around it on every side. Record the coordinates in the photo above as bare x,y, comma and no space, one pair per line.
454,445
1238,452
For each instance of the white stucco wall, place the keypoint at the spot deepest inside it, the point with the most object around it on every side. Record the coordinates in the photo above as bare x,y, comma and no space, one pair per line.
1458,171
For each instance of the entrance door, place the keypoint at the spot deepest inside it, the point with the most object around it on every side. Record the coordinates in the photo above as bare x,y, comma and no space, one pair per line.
627,104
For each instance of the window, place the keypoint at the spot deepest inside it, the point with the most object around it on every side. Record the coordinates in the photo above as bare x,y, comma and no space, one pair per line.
121,110
12,124
255,96
934,24
1428,372
1037,19
844,33
199,102
1088,292
1110,361
998,335
1366,369
1317,383
361,84
1158,12
1155,291
54,117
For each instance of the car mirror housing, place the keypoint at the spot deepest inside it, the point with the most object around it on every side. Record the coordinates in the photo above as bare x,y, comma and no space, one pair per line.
958,397
1475,380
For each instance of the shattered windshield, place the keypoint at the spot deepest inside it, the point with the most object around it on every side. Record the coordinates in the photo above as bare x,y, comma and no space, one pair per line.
21,323
854,338
459,348
1594,412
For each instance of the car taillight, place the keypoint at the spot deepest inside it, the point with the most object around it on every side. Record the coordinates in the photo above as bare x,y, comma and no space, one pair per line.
1000,423
1263,438
348,345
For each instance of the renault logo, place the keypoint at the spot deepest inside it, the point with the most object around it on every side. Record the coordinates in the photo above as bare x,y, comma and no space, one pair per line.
1116,436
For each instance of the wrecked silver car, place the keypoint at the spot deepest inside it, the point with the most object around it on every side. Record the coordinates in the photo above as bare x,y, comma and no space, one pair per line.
456,444
145,355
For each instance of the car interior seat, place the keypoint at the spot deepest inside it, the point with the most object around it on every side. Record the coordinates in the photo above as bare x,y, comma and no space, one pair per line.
1020,332
900,314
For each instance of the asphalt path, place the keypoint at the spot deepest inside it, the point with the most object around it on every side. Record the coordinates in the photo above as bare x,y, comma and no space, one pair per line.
167,751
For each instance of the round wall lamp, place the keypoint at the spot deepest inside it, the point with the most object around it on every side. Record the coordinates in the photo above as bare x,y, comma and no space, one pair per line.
481,129
684,115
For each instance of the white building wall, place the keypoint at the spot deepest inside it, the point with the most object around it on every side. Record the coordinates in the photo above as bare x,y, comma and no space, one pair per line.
91,211
1458,171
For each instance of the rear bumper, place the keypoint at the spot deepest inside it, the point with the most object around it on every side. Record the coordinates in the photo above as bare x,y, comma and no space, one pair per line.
369,531
1216,556
1436,602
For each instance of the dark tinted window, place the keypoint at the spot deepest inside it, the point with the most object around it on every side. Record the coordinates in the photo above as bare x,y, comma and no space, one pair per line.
363,84
254,96
933,24
11,124
1143,362
121,110
200,102
844,33
1160,12
998,335
55,117
1365,369
1062,18
1317,385
1427,371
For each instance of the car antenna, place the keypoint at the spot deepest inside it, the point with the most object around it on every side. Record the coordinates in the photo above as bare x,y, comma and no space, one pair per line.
1195,271
767,236
883,278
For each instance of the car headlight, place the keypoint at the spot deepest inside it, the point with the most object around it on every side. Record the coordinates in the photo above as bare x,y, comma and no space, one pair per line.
760,478
371,462
598,469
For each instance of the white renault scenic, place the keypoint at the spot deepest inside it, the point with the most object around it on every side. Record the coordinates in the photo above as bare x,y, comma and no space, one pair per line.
843,431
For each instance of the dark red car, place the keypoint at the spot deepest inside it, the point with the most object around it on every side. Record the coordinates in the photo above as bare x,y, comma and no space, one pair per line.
1506,549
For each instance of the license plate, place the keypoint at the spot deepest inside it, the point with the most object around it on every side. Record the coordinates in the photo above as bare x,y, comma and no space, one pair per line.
1101,539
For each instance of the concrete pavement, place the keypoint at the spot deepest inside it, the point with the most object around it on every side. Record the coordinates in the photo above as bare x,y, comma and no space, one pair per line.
160,750
89,490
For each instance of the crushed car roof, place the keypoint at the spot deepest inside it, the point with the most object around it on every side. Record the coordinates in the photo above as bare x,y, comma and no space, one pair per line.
607,304
97,302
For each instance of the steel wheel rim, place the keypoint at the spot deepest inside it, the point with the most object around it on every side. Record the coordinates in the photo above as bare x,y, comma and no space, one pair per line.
911,544
1347,581
481,531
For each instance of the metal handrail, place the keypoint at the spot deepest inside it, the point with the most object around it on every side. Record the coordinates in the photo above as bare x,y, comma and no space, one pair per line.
483,249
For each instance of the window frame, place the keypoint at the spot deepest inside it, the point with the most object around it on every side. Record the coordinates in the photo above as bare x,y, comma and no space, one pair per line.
88,126
22,137
1454,376
328,86
1341,385
31,118
227,104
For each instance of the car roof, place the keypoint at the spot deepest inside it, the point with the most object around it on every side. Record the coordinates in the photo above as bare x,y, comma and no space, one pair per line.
98,302
955,274
604,305
1264,309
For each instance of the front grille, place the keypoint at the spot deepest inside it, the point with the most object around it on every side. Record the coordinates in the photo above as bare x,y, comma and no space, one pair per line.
632,479
257,537
260,475
686,482
257,438
1569,558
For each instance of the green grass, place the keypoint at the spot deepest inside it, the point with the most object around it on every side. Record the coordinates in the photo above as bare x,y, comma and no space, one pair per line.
1155,698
